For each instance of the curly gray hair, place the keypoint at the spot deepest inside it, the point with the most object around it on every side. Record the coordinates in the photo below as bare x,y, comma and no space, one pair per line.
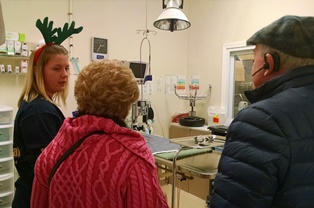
106,88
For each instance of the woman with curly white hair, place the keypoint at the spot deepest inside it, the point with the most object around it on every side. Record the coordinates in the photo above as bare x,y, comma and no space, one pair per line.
113,166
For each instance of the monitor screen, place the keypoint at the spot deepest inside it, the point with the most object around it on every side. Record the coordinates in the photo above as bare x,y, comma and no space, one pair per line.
138,69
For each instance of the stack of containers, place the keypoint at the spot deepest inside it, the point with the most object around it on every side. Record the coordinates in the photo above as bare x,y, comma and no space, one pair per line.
6,156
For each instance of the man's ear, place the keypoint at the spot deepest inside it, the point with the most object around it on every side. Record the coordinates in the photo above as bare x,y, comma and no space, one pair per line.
270,61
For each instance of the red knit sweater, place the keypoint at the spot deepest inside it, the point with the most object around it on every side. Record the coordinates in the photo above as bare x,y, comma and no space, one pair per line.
112,170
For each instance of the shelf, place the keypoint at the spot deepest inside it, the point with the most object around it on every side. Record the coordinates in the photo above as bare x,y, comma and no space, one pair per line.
5,143
13,61
4,56
4,126
6,159
12,74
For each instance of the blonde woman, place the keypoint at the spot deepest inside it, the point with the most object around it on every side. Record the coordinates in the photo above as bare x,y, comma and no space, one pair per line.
38,118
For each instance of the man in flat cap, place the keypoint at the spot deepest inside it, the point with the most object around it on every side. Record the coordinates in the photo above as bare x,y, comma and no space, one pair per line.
268,158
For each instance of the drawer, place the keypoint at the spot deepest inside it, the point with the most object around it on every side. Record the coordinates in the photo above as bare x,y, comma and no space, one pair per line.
6,115
6,166
6,133
6,199
6,149
6,183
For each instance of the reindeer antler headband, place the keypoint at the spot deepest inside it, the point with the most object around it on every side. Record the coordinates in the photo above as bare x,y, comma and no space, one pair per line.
48,32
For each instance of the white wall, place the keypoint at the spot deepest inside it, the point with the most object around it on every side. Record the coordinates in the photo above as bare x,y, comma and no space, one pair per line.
218,22
196,51
116,20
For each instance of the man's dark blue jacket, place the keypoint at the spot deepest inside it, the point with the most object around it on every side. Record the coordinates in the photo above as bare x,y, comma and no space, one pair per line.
268,158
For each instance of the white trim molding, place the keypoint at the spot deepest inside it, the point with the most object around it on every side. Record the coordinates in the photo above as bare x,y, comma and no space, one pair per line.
227,83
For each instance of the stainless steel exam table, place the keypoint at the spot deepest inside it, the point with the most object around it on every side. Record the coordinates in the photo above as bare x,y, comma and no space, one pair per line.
182,156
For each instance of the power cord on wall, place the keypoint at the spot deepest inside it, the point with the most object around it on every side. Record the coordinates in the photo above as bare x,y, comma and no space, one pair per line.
162,130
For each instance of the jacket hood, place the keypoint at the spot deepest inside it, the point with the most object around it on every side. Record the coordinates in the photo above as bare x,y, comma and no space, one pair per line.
86,124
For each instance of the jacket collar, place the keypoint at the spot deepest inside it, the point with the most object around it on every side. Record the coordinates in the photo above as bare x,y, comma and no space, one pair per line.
297,77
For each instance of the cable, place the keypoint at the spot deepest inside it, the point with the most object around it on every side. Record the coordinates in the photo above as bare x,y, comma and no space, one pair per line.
149,60
70,20
162,130
75,64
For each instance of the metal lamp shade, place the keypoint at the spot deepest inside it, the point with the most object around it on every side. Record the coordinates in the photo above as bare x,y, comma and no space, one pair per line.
172,19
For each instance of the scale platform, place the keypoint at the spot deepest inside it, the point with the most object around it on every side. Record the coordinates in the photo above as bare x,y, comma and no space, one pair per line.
192,121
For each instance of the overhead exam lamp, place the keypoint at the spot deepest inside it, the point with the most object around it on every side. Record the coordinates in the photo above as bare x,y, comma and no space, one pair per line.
172,18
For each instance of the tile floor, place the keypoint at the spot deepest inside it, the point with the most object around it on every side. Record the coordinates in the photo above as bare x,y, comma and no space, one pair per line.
186,200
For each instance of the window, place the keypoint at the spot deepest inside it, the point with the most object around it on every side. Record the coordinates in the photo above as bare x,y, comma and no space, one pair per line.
236,77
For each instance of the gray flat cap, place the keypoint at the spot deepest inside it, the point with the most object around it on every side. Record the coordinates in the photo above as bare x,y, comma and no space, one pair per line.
293,35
